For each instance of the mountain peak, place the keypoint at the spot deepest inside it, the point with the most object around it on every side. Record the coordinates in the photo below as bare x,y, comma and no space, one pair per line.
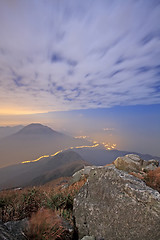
36,128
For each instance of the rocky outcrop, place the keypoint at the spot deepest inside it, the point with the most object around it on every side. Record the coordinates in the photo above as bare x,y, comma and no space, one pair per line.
114,205
133,163
18,228
5,233
77,176
13,230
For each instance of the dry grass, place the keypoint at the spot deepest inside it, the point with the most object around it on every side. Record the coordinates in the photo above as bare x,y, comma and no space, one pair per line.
153,179
16,205
44,206
138,175
45,224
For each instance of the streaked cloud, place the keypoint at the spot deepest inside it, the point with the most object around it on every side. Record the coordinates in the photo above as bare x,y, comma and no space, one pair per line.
108,129
64,55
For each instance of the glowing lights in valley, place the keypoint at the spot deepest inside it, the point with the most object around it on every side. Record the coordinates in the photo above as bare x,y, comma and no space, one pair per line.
81,137
107,146
46,156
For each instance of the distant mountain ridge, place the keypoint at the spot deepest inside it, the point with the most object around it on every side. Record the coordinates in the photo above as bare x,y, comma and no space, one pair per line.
38,173
100,156
7,130
36,128
37,140
63,164
33,141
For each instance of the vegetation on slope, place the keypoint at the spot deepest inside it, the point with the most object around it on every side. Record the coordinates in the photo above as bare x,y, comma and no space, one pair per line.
46,207
153,179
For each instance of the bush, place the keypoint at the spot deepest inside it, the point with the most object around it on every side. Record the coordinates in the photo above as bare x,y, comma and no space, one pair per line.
45,224
16,205
41,206
153,179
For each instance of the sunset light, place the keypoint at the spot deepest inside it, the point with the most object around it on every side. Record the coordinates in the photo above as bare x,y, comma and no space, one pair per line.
79,111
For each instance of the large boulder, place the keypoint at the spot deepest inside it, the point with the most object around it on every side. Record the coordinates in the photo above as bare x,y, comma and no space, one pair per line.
133,163
114,205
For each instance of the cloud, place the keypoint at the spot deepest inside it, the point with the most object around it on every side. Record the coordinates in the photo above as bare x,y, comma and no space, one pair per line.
58,55
56,58
108,129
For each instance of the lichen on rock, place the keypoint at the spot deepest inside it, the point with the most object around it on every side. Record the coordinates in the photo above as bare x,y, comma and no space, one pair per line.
117,206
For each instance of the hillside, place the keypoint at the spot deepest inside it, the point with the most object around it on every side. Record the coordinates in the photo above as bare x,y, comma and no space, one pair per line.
63,164
100,156
33,141
6,131
124,203
38,173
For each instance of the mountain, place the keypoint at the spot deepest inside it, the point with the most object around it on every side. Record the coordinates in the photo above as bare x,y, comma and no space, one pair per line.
63,164
38,173
38,129
100,156
6,131
33,141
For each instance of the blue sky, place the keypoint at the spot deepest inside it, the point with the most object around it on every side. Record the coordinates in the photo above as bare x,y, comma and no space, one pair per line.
58,55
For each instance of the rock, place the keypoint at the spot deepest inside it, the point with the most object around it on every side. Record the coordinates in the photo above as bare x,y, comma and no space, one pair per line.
88,238
18,228
69,231
133,163
114,205
77,176
5,233
150,165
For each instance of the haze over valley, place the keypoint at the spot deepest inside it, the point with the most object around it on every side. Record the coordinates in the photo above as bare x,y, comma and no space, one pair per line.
79,119
37,154
81,76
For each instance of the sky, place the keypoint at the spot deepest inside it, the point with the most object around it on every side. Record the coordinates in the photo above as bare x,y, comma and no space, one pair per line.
83,67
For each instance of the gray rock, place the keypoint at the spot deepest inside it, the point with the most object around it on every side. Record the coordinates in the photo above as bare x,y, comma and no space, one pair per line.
68,229
114,205
18,228
77,176
150,165
88,238
133,163
5,233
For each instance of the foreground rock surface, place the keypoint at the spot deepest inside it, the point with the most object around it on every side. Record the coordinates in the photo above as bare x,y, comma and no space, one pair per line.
114,205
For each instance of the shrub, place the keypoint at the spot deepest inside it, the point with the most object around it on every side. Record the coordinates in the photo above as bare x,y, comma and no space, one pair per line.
153,179
16,205
45,224
19,204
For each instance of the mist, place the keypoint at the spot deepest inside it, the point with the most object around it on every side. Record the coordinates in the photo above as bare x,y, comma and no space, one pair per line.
134,128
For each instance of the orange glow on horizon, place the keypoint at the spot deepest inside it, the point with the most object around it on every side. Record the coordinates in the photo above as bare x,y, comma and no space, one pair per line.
19,112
